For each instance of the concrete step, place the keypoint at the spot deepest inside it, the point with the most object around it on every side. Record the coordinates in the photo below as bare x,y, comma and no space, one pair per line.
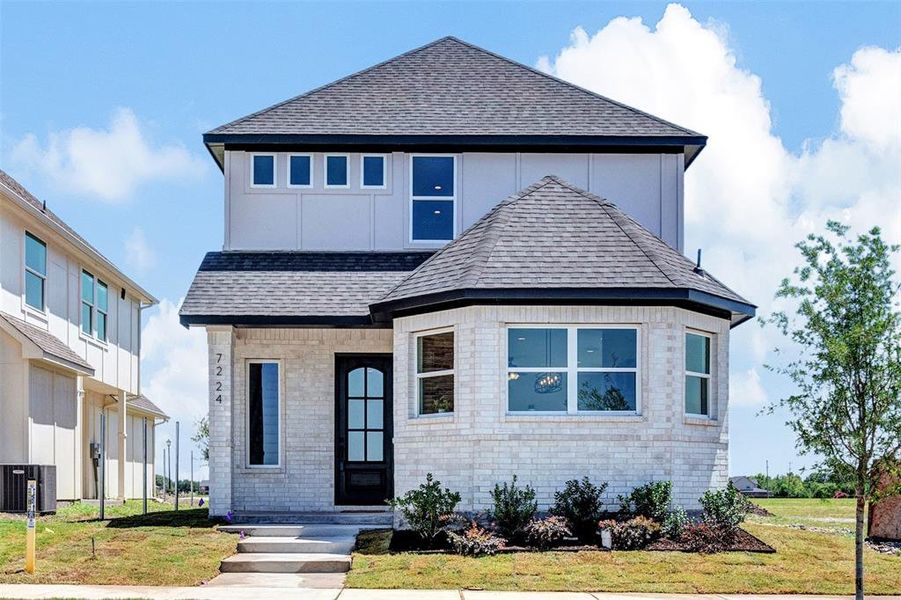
334,581
286,563
297,530
297,545
365,517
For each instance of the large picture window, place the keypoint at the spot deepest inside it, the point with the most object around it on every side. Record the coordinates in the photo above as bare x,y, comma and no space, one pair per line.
435,372
263,391
572,369
697,374
35,271
433,197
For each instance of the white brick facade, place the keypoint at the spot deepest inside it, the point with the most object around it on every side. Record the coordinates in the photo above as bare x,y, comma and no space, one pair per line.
479,444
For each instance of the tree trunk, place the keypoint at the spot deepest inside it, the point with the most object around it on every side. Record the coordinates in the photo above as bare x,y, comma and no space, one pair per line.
858,544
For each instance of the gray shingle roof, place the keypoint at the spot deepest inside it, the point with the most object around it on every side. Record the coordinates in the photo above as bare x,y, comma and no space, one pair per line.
452,88
293,287
144,404
554,236
54,349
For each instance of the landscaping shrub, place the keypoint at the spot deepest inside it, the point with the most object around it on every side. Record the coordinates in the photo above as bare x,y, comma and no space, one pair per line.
634,534
674,523
547,532
475,541
724,508
650,500
427,509
514,508
706,538
580,504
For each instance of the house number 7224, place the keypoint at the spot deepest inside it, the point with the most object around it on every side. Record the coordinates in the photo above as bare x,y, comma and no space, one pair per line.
218,374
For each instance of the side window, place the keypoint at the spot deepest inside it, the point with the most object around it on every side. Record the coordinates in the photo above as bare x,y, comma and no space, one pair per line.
373,171
262,170
697,374
433,198
263,390
102,304
35,271
300,170
435,373
87,303
336,167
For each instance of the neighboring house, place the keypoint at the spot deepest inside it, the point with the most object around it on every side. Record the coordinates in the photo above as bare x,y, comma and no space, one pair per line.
749,487
453,263
70,342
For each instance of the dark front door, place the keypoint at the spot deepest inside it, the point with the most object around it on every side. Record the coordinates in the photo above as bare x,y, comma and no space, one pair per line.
363,448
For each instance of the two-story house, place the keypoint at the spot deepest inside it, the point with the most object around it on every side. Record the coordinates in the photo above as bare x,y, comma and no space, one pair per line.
453,263
70,347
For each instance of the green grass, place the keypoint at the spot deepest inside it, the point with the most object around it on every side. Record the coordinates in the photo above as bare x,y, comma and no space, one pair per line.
827,513
163,547
805,562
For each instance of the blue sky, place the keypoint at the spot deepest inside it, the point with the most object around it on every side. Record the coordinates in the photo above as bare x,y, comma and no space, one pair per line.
171,71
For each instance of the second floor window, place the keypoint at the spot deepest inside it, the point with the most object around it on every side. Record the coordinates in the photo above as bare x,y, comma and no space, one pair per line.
373,171
35,271
433,196
94,306
87,303
300,170
336,171
262,170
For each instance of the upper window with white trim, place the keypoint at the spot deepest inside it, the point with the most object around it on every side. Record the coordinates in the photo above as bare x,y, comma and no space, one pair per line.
300,170
336,171
435,372
372,171
262,170
697,374
35,271
94,306
572,369
433,198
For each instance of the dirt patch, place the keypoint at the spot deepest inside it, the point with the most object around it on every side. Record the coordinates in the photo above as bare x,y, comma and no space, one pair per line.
758,510
742,542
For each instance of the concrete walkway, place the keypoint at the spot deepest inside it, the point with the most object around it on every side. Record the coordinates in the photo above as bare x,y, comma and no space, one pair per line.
108,592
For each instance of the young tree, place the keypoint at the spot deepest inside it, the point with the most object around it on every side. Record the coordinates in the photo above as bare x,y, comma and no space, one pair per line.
848,372
202,438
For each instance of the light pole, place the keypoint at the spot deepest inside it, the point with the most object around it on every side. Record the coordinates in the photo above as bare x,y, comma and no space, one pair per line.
168,464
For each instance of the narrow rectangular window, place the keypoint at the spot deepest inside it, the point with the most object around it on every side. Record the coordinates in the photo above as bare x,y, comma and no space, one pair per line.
102,308
263,386
263,170
435,372
373,171
433,198
697,374
300,170
35,271
336,166
607,365
87,303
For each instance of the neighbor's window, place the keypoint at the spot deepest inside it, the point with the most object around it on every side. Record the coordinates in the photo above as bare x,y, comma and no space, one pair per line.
543,377
87,303
102,309
263,167
435,372
300,170
433,195
263,389
373,171
336,170
94,306
35,271
697,374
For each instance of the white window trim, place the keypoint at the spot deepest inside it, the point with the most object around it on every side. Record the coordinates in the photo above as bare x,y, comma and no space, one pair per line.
419,376
81,302
281,419
288,172
708,376
274,170
92,336
572,370
413,198
325,182
384,185
43,309
97,283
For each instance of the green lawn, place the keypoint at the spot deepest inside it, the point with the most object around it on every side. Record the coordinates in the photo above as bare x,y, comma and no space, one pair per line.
161,548
805,562
828,513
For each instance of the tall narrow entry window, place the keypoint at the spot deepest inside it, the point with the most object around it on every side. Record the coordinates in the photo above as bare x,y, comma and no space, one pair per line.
263,414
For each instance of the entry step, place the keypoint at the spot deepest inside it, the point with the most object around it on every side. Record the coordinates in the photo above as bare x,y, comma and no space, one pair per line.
286,563
379,517
316,530
297,545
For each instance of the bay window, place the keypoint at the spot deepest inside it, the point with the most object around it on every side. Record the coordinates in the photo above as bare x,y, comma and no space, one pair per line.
572,369
697,374
435,372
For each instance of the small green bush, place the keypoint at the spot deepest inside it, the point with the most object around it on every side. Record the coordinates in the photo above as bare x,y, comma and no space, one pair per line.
547,532
724,509
514,507
427,509
580,504
650,500
634,534
674,523
475,541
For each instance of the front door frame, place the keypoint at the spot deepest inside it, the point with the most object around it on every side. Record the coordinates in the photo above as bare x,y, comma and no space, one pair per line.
340,441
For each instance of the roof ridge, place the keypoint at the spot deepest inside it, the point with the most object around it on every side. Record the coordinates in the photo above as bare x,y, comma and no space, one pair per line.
336,82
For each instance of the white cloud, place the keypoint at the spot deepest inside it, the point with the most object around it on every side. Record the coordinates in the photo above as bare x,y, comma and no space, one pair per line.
138,252
107,163
870,89
745,389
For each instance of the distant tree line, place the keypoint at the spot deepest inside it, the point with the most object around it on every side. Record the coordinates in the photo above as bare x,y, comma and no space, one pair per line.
817,484
184,485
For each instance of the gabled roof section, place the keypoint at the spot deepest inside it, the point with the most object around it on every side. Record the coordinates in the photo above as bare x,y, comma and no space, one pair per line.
452,92
17,192
555,242
142,403
49,347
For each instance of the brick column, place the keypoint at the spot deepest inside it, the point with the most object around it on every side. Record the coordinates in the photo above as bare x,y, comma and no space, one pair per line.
220,341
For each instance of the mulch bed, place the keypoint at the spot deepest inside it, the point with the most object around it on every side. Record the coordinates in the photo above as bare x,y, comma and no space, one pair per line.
759,511
742,542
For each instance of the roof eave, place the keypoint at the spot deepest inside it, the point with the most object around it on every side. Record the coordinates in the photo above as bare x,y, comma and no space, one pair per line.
349,321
